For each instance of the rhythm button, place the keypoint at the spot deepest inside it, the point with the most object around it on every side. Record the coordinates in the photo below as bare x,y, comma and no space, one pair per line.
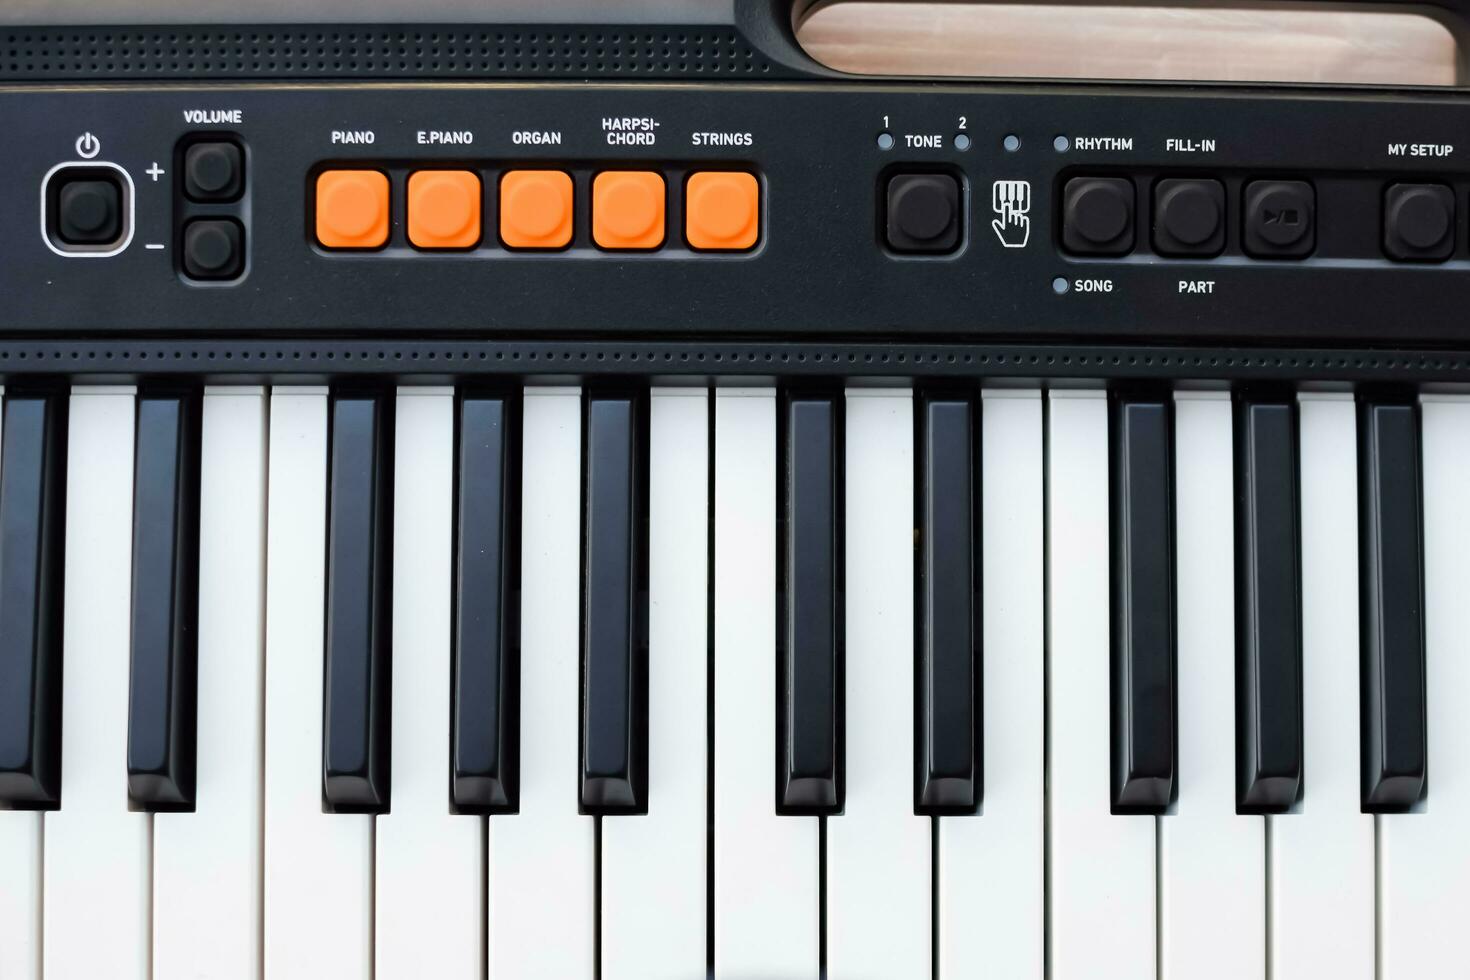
352,209
536,209
1097,216
444,209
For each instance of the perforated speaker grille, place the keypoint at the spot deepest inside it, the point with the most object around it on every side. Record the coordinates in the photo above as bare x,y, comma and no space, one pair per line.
398,51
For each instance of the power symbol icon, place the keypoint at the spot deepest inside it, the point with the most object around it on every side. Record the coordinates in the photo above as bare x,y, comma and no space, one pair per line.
88,146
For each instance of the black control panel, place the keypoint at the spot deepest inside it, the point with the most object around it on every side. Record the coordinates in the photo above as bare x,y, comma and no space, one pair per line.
765,209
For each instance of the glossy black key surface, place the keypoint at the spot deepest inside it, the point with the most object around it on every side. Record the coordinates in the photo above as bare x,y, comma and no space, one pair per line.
162,689
486,726
810,580
355,732
1391,586
947,613
32,547
1268,607
1144,736
614,743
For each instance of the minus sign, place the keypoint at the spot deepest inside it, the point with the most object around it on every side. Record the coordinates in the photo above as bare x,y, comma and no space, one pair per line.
152,247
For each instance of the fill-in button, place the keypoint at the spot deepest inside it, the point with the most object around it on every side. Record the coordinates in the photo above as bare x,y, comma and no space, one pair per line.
352,209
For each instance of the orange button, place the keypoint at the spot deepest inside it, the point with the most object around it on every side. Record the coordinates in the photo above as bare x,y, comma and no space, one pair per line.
628,209
536,209
444,209
722,211
352,209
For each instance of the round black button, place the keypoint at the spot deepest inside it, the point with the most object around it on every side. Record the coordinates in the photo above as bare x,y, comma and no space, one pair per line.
923,213
1419,217
213,171
1097,215
1189,212
922,210
1280,218
89,212
213,249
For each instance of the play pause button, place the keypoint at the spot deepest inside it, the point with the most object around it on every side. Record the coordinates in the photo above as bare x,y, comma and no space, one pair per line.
1280,219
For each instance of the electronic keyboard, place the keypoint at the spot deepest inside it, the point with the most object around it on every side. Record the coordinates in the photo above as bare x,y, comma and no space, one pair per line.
583,491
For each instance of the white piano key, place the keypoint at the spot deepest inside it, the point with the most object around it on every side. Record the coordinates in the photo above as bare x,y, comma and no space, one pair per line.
1321,858
1424,858
97,882
767,896
542,861
1102,883
429,861
207,864
879,852
653,866
20,895
318,866
1212,874
991,896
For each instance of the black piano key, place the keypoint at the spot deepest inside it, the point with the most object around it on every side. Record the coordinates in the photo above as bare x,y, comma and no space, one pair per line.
948,770
1391,552
486,706
1144,697
810,577
356,734
164,650
614,742
1268,610
32,546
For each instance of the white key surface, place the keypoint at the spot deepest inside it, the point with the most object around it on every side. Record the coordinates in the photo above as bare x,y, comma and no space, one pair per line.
97,853
207,864
1322,858
991,869
542,861
318,866
1213,862
879,852
767,910
20,894
1102,887
429,861
1424,861
653,866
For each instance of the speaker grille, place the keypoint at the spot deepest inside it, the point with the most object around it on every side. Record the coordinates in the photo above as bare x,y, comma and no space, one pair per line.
428,51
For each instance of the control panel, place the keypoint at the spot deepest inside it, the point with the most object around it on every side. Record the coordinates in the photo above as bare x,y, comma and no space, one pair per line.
759,210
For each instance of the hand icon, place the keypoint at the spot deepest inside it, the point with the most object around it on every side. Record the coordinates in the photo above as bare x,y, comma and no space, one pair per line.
1013,229
1011,199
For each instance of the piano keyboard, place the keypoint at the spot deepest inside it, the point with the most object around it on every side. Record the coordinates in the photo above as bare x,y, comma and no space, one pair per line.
742,682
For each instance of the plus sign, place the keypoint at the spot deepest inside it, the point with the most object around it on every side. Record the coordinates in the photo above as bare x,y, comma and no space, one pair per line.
155,171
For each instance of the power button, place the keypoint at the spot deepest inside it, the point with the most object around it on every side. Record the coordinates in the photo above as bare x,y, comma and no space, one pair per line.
87,209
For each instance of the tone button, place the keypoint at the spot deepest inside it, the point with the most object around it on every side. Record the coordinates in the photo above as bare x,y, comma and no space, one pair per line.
722,211
536,209
444,209
352,209
628,209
